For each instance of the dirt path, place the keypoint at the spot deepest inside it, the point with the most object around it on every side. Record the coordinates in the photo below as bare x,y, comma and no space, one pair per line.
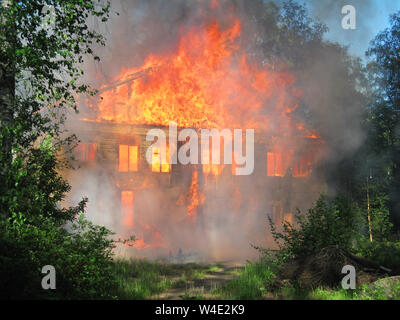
201,282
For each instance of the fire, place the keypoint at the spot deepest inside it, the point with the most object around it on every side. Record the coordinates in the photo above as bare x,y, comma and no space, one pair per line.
208,81
127,208
279,162
156,240
194,198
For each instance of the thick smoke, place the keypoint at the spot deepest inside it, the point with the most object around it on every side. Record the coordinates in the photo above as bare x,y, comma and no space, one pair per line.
235,218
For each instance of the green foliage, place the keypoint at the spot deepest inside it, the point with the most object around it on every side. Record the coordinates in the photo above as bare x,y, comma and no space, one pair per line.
379,292
385,253
37,231
43,55
329,294
33,187
329,222
384,113
366,292
80,252
40,70
382,227
285,34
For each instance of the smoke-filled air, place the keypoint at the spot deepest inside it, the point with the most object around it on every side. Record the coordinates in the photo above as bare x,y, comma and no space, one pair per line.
208,64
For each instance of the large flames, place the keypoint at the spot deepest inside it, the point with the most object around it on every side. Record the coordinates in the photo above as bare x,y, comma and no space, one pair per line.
207,81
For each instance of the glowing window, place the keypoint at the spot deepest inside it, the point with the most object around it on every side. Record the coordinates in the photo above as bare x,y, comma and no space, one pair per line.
157,164
301,168
128,158
86,152
274,164
127,208
288,217
210,168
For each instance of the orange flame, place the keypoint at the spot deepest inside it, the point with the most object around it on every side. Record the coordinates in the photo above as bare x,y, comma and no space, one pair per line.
127,208
194,198
206,82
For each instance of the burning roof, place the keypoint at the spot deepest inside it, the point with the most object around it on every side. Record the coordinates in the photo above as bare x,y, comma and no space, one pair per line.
208,81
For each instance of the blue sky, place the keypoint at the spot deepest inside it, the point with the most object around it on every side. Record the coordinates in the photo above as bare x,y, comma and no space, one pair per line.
372,16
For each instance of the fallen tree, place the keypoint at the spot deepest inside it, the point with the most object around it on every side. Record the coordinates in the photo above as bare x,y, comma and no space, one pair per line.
324,269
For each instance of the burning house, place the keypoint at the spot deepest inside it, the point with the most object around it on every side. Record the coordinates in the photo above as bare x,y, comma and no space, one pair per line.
207,81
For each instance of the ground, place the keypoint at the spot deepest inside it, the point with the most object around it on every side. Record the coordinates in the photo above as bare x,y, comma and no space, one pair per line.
141,279
203,281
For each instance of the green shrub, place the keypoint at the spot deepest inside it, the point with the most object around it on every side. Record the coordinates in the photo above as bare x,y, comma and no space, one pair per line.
385,253
329,222
36,231
82,257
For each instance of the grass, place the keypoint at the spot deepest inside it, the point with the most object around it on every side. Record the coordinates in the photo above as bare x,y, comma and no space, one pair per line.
366,292
141,279
215,269
294,293
252,282
256,282
329,294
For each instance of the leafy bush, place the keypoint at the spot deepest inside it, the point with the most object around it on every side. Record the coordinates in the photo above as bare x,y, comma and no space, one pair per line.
82,257
34,229
385,253
329,222
381,225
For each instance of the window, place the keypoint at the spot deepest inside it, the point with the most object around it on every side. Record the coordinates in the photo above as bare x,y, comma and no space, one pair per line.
157,164
301,168
86,151
274,164
288,217
277,213
210,168
128,158
127,208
